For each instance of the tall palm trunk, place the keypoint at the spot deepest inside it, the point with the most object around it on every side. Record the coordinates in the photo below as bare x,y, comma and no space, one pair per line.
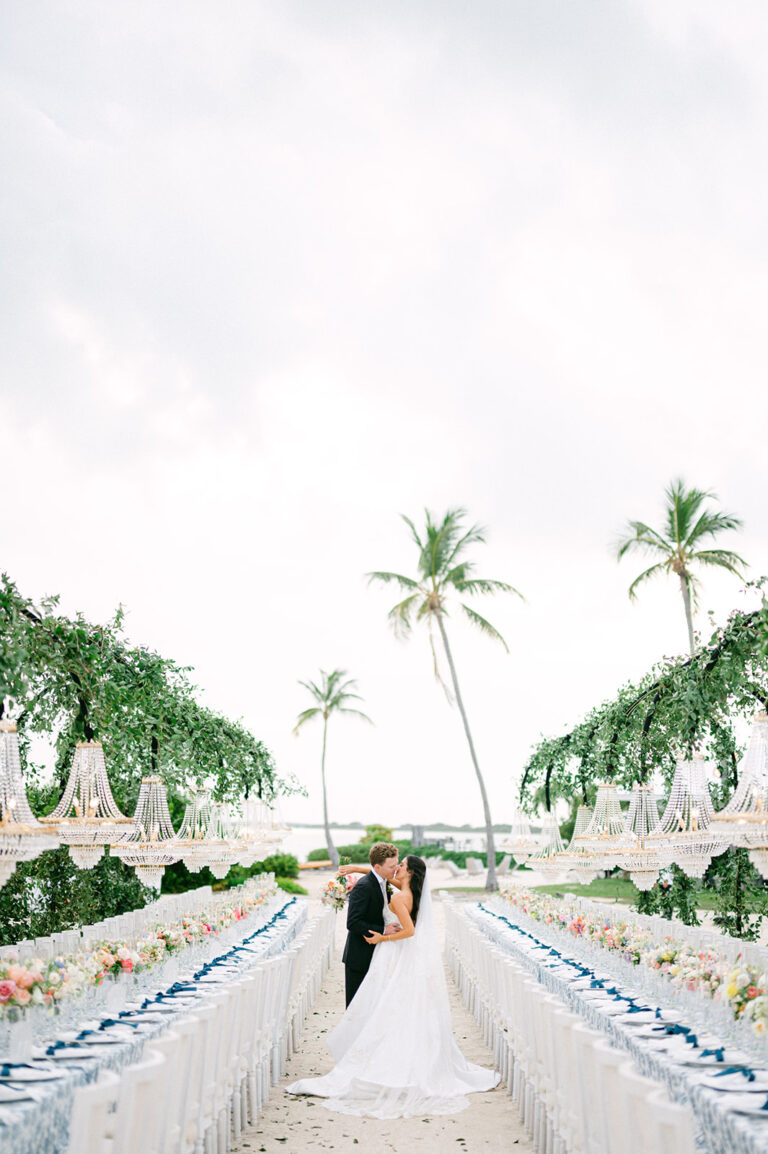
686,590
491,883
332,851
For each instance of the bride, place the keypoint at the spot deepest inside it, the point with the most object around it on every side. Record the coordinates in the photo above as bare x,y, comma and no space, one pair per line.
395,1053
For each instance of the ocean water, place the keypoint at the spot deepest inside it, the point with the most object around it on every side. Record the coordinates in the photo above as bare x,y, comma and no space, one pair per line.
301,840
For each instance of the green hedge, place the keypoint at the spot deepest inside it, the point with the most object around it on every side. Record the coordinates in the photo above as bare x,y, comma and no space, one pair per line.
357,853
290,886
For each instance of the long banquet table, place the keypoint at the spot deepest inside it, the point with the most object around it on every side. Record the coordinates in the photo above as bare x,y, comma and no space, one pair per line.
40,1125
719,1128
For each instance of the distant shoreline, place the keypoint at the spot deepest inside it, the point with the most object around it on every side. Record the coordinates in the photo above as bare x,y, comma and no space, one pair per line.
403,825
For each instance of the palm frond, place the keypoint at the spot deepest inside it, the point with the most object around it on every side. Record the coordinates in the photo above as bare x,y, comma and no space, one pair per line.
400,614
682,509
473,536
387,578
483,625
644,537
659,567
414,534
710,524
306,715
722,558
317,693
479,585
358,713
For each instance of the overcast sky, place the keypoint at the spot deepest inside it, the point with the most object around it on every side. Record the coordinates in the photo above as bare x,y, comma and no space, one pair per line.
275,273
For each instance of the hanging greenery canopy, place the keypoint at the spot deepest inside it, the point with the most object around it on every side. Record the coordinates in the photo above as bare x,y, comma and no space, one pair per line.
679,704
69,681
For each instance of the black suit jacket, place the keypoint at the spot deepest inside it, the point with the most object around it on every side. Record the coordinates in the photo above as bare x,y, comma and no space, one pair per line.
365,912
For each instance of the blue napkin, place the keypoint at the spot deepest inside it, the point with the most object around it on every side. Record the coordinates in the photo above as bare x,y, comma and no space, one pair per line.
8,1067
745,1070
61,1046
718,1054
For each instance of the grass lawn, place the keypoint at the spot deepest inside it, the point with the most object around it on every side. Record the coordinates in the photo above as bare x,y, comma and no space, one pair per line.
617,889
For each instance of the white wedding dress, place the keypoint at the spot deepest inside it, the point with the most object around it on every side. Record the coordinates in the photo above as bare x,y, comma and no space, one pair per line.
395,1053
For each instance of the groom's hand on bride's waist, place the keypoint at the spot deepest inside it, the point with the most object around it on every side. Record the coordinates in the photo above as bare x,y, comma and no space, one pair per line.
391,929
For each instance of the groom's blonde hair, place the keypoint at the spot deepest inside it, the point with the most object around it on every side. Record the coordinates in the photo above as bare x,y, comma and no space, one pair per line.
380,851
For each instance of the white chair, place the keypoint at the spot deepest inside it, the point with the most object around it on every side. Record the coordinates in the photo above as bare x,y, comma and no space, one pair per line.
673,1125
136,1125
91,1110
475,866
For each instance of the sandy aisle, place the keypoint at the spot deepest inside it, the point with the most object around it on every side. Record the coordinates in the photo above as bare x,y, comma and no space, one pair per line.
293,1126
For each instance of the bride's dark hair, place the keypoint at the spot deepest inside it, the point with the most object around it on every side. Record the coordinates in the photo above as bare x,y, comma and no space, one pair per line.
417,868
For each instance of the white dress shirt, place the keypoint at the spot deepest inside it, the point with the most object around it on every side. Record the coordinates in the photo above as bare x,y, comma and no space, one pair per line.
382,882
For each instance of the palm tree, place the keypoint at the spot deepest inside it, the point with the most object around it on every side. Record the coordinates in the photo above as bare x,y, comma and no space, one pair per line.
678,544
442,571
331,696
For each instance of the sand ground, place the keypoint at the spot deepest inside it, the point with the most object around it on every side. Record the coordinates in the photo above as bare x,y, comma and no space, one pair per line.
297,1125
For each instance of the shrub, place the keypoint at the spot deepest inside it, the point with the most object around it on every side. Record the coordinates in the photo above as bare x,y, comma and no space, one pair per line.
356,853
290,886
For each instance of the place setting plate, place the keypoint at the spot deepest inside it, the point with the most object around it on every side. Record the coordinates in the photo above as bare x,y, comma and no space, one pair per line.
29,1074
746,1104
10,1094
737,1082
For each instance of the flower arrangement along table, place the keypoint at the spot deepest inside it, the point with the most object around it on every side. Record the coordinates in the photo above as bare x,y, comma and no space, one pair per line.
740,986
26,984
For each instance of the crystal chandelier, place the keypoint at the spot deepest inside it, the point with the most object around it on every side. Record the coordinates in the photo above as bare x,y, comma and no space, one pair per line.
570,858
255,831
636,855
223,850
547,858
191,840
151,844
87,817
683,836
744,820
520,842
593,848
22,837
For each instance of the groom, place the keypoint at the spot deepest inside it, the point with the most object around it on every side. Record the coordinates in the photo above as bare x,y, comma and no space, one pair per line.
365,912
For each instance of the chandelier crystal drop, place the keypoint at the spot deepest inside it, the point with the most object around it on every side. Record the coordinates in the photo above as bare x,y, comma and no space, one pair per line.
636,856
685,836
151,844
22,837
87,817
520,842
744,820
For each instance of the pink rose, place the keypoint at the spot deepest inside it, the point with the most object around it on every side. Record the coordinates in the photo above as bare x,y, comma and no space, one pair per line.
23,996
14,973
127,964
7,990
752,991
26,981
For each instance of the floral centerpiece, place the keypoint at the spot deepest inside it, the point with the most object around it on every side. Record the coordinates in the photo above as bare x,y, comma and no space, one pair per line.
707,972
42,983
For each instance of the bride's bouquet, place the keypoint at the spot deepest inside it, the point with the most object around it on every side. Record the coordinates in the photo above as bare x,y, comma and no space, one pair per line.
336,891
